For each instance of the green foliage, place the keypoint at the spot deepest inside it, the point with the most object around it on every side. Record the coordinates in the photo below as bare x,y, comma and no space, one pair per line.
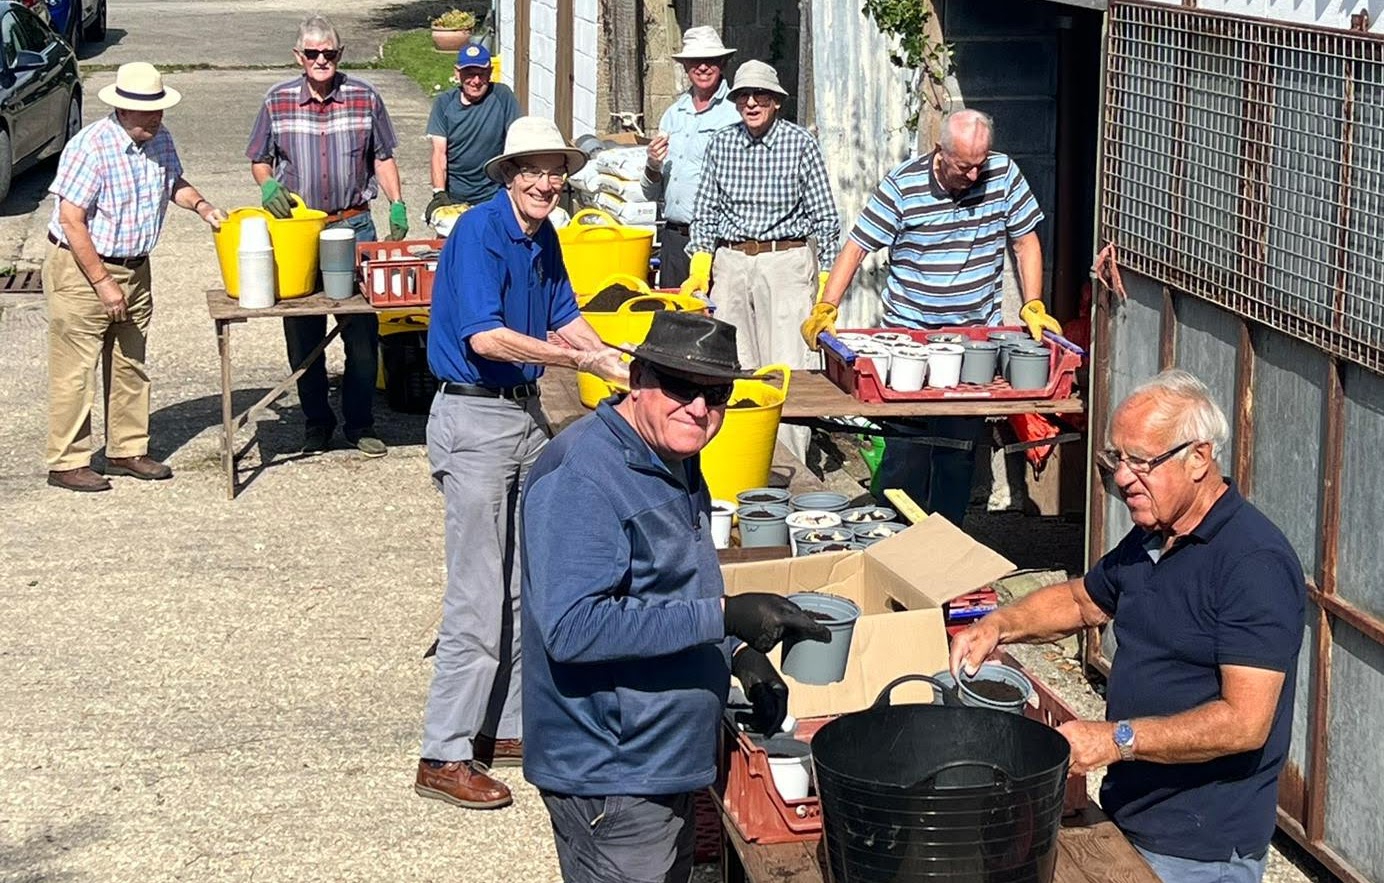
906,20
412,53
456,19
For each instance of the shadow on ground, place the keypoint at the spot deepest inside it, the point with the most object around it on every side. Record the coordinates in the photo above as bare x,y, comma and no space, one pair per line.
36,857
419,13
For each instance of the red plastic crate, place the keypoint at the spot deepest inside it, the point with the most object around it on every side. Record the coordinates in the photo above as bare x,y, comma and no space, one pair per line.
398,275
859,378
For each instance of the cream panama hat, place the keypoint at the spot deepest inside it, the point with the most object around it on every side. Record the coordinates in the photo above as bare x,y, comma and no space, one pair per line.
757,75
702,42
139,86
530,136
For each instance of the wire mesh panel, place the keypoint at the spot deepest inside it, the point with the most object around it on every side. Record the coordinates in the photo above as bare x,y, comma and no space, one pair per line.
1244,164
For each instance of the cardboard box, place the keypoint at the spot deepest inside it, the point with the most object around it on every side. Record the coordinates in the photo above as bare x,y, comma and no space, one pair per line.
900,585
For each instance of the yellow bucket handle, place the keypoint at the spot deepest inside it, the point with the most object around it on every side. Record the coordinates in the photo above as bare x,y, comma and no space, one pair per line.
630,281
605,217
667,300
783,370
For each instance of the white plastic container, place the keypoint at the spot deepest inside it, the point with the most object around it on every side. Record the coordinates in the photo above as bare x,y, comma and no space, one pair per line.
908,367
254,234
944,364
790,765
878,355
890,338
722,513
809,519
256,269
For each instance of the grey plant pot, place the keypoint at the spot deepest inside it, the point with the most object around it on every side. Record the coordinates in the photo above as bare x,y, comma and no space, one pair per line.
979,361
818,662
762,524
826,501
1028,369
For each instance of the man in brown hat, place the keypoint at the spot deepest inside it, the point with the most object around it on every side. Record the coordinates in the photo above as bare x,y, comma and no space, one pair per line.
764,194
114,182
629,639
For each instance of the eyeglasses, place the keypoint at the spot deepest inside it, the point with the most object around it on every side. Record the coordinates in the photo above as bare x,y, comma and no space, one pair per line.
760,96
329,54
685,390
963,168
1109,460
531,175
472,73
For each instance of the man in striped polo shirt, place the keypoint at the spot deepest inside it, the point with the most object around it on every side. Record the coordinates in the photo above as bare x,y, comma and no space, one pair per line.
327,137
945,218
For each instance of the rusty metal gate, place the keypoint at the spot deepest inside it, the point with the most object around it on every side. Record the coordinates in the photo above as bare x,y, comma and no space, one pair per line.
1243,188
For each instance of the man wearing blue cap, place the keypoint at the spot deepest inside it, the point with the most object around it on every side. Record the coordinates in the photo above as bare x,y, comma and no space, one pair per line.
467,128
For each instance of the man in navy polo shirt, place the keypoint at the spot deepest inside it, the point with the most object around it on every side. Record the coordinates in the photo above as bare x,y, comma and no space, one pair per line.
501,287
1208,602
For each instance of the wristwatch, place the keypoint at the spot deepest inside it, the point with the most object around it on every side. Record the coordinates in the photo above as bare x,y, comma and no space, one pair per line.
1124,740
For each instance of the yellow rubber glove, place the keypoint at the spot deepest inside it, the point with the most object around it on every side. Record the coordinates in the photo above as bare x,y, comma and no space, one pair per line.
698,275
1036,317
822,318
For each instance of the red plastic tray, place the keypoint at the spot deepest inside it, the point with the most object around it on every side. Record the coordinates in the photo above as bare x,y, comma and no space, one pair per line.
393,275
859,378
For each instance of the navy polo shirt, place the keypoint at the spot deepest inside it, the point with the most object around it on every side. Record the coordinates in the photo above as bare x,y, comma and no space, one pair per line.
493,275
1229,593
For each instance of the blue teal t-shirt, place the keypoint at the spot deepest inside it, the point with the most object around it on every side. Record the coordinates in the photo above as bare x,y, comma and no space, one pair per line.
492,275
475,134
1230,593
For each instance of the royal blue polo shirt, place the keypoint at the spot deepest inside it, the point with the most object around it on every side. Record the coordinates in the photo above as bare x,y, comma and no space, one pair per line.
1231,592
491,274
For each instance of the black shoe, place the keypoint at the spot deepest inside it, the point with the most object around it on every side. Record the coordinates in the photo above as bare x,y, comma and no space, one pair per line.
316,439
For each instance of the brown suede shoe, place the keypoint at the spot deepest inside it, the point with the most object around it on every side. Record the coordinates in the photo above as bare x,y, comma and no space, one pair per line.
498,752
462,783
83,480
143,467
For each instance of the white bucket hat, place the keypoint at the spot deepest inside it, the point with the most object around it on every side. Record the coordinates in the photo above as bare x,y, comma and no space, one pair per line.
702,42
139,86
532,135
757,75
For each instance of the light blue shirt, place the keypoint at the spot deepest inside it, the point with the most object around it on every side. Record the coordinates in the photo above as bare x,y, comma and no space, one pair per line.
689,132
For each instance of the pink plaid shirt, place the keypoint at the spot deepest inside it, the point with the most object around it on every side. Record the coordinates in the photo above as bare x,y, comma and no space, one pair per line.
124,187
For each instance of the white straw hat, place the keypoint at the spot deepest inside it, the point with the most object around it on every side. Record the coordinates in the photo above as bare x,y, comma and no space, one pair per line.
532,135
702,42
757,75
139,86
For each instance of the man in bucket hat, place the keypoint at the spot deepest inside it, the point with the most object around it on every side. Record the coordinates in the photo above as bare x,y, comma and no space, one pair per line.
674,168
467,129
114,182
764,194
629,636
500,288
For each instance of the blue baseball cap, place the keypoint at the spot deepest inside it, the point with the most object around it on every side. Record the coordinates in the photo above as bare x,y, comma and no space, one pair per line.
473,55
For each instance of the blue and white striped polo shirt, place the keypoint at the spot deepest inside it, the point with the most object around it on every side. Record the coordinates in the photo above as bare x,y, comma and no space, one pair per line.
946,254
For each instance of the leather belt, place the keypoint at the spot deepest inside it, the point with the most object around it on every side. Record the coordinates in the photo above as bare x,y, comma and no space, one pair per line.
754,247
684,229
333,217
128,263
513,393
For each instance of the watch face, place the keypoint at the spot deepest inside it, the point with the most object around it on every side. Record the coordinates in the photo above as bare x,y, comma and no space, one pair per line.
1124,733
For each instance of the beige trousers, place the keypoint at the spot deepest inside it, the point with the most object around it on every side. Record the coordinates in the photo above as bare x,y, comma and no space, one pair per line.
767,297
79,334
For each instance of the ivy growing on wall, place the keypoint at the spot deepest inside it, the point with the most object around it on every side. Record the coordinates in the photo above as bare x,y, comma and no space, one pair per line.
914,50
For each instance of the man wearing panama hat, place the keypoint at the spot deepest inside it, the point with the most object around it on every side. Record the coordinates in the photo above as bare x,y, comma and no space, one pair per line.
501,287
629,637
114,182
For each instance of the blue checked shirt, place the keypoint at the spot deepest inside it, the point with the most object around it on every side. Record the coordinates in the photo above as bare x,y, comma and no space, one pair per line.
774,187
689,132
124,187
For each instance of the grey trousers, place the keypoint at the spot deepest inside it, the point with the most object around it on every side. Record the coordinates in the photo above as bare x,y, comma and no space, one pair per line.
480,450
623,839
766,298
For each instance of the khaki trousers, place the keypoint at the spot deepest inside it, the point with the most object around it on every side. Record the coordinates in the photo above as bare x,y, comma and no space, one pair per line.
79,334
767,297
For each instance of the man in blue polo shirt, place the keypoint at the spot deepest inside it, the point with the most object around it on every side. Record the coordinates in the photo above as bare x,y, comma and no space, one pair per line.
501,287
467,129
1208,601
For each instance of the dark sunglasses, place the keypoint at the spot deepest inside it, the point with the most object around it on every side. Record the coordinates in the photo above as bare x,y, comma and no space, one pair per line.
329,54
685,390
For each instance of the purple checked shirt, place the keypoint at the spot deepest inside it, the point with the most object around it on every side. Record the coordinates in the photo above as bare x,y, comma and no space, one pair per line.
325,151
124,187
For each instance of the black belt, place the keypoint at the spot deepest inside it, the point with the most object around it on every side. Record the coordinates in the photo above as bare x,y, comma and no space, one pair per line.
127,263
684,229
513,393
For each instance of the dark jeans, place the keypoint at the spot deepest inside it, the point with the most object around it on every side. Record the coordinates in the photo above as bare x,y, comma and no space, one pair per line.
623,839
673,262
938,478
360,337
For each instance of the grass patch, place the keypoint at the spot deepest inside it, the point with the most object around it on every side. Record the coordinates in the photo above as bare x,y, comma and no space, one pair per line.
412,53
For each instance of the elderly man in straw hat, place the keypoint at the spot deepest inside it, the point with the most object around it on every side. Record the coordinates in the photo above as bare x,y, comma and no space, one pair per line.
625,618
114,182
764,194
674,168
501,287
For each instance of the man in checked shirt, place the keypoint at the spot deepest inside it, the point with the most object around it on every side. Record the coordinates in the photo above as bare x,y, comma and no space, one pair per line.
764,192
327,137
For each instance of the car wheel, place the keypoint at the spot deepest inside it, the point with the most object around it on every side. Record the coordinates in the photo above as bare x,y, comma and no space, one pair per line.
74,120
6,165
97,32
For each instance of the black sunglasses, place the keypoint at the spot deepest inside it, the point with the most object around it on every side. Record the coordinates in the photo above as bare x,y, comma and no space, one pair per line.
329,54
685,390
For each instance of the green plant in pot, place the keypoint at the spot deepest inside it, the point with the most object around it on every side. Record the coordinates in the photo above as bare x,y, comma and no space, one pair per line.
452,30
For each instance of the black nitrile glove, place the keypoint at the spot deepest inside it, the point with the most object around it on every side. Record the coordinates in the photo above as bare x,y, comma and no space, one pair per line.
767,692
440,198
275,199
762,619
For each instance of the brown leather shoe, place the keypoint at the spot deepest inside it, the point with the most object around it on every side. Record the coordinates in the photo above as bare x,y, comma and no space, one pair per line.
143,467
498,752
83,480
461,783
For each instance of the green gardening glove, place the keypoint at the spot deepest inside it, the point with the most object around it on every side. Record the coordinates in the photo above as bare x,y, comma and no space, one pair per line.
275,199
398,220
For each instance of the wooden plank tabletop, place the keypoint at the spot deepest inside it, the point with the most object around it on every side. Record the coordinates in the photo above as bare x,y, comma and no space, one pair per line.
222,306
1090,849
812,394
